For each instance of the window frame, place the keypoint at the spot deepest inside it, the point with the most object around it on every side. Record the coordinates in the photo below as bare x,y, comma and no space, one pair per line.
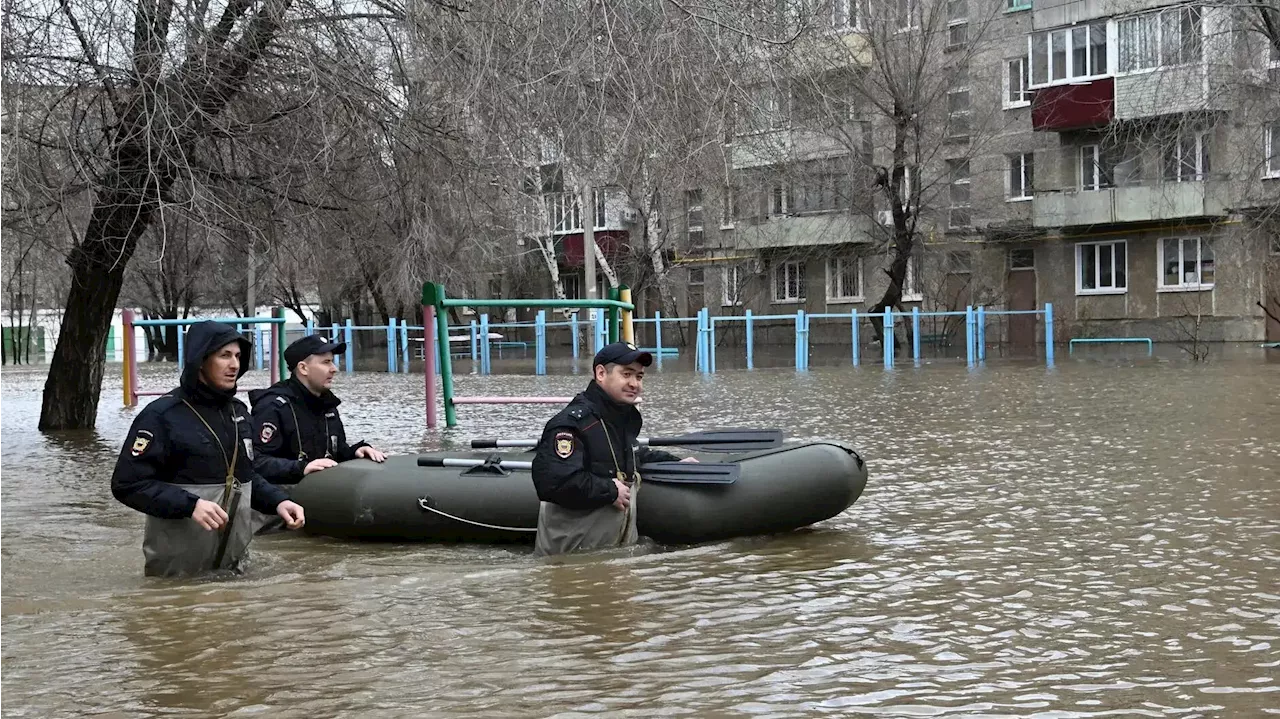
1096,290
1271,151
1172,160
599,220
1026,174
953,181
784,267
834,267
1024,92
1183,286
911,290
1161,17
1068,32
734,273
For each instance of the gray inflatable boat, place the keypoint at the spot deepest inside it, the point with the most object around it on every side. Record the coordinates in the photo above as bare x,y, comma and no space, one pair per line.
777,490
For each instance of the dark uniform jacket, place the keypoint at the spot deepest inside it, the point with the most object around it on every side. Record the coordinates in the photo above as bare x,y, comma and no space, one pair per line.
292,426
573,465
169,445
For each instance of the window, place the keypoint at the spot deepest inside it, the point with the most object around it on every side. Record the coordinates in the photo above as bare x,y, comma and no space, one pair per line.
788,282
906,14
958,106
1096,170
959,262
905,187
1273,51
765,109
1168,37
693,217
564,211
911,283
959,215
697,276
727,207
1272,166
1186,263
1186,157
821,186
1275,244
597,196
734,279
1067,54
1021,178
957,22
1011,5
1016,93
1022,258
1101,268
844,279
572,286
779,198
839,14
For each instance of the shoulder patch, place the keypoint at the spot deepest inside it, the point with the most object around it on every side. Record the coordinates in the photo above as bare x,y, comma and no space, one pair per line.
281,400
141,441
577,413
267,432
330,414
564,444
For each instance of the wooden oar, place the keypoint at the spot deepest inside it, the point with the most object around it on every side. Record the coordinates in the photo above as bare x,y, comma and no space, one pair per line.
719,440
670,472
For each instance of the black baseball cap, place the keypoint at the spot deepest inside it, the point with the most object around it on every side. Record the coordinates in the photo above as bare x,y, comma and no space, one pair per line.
622,353
310,345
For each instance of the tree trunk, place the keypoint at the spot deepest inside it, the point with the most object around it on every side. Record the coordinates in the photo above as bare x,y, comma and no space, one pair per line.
120,216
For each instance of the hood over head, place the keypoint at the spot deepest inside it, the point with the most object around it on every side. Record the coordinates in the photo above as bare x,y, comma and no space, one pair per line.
205,338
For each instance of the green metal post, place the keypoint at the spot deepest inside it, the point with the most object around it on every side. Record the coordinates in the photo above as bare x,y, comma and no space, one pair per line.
613,315
281,343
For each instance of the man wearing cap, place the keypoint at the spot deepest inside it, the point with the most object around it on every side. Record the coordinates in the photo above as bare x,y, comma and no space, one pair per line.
584,468
296,427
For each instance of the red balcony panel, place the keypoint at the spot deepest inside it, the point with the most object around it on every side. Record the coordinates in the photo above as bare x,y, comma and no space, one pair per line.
611,242
1074,107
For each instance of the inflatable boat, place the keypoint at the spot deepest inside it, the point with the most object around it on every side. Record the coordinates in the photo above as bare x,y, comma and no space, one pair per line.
775,490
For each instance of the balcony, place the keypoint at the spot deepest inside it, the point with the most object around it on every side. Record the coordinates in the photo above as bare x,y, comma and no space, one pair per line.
1140,203
811,230
1172,91
1074,107
1057,13
772,147
612,243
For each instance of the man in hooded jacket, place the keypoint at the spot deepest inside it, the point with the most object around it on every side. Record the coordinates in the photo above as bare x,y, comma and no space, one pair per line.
188,464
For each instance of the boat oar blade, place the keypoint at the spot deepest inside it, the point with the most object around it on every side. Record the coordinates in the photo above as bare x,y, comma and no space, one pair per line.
723,440
690,472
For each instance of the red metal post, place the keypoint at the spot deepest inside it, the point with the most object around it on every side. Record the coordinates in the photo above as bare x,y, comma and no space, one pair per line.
429,361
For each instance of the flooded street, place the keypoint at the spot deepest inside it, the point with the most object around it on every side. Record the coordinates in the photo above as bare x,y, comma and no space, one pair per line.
1101,539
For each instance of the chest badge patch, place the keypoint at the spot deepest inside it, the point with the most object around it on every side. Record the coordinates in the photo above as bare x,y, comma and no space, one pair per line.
140,443
564,445
268,431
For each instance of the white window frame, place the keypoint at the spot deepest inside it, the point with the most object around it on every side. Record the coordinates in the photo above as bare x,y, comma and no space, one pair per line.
731,278
1173,151
952,181
1025,169
912,8
728,207
1159,20
1024,92
1097,268
572,283
1016,5
1270,54
1183,285
1271,151
779,191
911,281
964,88
842,14
599,220
954,23
834,267
786,269
1099,180
1070,75
564,212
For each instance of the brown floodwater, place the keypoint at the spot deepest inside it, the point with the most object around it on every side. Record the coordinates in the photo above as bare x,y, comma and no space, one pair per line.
1099,539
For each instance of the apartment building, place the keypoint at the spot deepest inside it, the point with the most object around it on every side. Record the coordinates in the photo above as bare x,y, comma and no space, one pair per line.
1120,159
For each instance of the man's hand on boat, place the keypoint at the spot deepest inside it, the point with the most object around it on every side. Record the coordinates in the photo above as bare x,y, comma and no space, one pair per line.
291,513
316,465
368,452
624,495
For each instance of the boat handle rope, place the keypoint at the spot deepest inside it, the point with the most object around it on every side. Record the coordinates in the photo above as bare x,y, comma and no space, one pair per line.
424,504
